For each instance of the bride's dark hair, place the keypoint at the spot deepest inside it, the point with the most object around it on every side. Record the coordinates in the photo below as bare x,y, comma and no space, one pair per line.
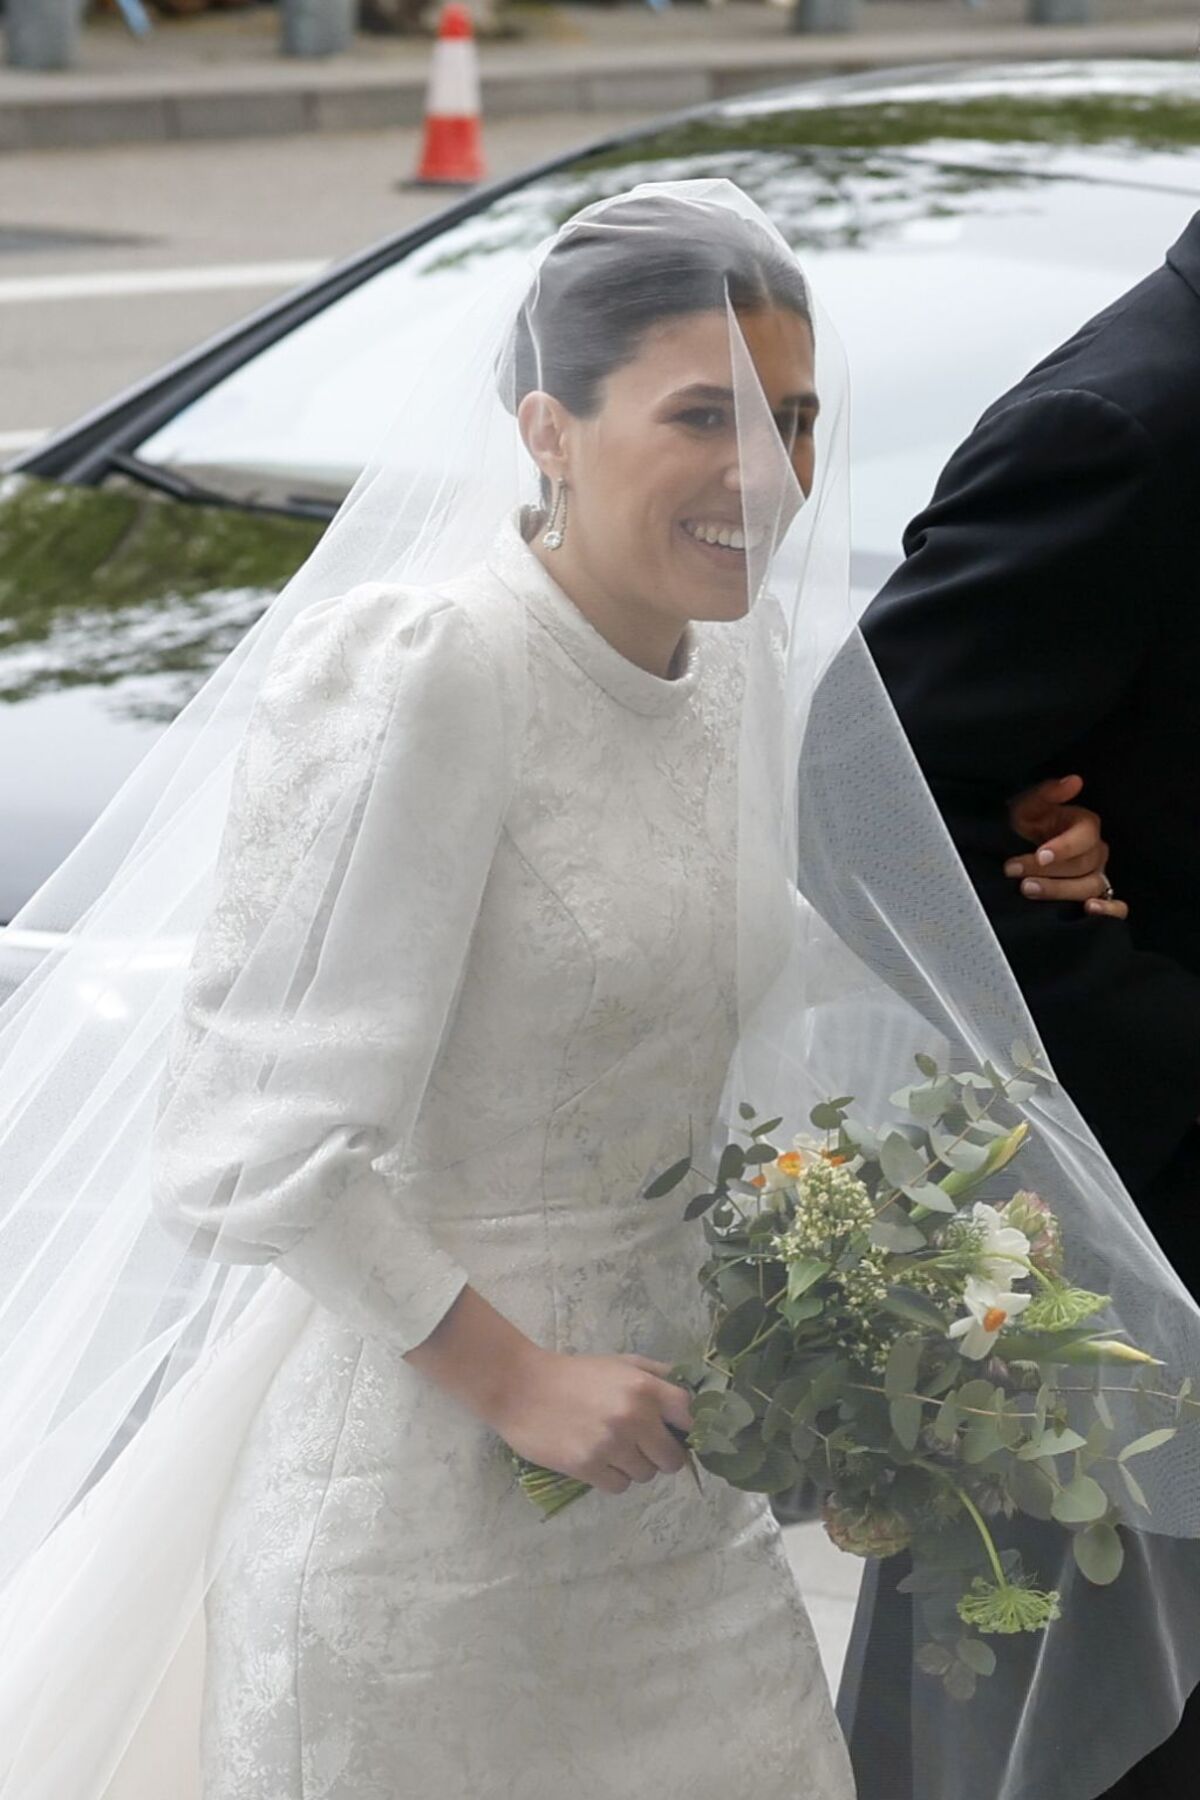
612,276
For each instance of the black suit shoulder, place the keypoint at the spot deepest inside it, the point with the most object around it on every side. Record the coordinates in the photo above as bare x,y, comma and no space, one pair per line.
1140,355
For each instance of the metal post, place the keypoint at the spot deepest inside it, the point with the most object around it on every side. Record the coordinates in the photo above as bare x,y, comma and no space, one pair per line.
1060,12
42,34
825,15
317,27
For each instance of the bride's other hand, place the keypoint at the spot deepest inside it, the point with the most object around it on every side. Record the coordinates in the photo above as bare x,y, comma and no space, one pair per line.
601,1419
1072,857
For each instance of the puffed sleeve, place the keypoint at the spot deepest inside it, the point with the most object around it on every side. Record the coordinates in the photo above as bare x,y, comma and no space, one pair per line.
366,801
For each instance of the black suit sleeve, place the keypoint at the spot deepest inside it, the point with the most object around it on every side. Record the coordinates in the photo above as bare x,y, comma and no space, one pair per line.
1016,628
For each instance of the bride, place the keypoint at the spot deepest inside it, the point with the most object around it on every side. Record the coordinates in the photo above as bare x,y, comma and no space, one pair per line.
411,1628
506,883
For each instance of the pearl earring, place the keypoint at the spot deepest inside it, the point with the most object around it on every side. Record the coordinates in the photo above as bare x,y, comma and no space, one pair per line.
556,524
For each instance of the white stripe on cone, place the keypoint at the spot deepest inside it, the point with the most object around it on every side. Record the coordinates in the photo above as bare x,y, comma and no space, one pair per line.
454,80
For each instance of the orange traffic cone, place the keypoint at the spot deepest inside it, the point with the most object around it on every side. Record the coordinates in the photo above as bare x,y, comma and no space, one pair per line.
452,153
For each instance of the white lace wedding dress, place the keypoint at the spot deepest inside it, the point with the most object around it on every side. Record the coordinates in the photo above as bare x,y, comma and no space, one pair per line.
395,1621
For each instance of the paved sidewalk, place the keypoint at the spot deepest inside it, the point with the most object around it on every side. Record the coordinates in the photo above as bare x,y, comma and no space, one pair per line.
829,1581
221,75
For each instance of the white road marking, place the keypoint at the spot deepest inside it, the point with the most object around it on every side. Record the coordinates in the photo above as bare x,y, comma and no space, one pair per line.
20,440
21,290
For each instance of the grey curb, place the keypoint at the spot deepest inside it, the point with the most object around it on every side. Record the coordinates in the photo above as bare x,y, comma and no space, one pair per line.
39,112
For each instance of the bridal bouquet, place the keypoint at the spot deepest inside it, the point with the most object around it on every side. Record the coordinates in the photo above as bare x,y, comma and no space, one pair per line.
921,1355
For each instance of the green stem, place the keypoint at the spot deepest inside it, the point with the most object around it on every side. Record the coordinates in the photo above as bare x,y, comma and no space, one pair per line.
977,1518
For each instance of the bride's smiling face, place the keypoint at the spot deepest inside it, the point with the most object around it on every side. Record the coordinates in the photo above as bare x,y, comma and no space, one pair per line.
654,474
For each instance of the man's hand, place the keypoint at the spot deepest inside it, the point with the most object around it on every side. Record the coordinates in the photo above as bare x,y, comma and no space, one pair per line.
1072,857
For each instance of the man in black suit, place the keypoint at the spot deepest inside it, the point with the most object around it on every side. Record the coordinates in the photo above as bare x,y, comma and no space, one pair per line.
1047,618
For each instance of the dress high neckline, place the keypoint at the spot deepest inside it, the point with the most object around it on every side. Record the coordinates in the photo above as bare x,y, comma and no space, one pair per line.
626,682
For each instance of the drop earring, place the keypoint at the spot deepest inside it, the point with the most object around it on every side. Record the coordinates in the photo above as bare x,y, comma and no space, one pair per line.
556,524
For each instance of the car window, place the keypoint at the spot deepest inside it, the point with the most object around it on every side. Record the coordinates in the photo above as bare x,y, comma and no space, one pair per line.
954,234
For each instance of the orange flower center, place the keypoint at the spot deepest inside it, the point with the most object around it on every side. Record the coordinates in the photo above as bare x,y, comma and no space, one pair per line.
791,1162
758,1181
994,1318
831,1156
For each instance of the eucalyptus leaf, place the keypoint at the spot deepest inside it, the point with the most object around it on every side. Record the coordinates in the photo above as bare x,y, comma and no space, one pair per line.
1134,1486
802,1309
778,1470
981,1440
934,1659
1099,1552
1032,1489
947,1421
863,1139
670,1178
737,1283
758,1154
803,1274
897,1236
967,1157
731,1165
791,1392
943,1379
906,1417
1099,1441
904,1360
767,1125
929,1194
1080,1501
743,1461
776,1420
736,1412
1050,1443
1150,1441
977,1393
746,1110
901,1162
959,1681
927,1103
700,1204
907,1303
977,1655
828,1114
803,1440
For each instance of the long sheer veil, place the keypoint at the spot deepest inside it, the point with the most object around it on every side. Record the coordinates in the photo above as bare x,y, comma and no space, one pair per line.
133,1359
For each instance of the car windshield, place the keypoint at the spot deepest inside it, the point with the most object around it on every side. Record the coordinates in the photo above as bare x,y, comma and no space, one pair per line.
955,230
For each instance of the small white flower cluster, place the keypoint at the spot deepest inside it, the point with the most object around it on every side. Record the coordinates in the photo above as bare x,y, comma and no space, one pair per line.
832,1205
833,1209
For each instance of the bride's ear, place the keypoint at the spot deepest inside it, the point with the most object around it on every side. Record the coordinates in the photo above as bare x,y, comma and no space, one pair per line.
543,425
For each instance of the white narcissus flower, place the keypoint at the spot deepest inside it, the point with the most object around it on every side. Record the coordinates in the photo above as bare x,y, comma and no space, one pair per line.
1003,1250
989,1309
784,1172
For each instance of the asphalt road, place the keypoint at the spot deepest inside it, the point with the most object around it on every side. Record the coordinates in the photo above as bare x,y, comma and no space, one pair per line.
114,261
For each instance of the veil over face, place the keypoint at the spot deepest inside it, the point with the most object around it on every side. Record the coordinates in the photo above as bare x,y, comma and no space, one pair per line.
666,359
